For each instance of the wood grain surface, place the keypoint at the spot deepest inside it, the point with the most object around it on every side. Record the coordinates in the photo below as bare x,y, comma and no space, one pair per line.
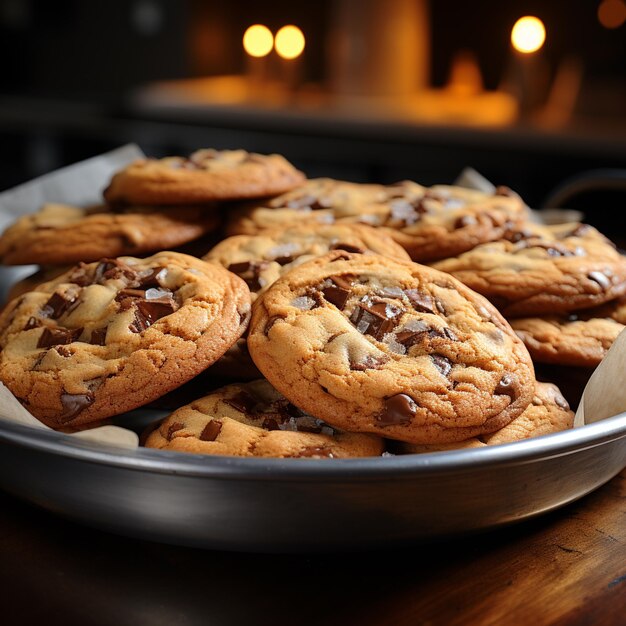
567,567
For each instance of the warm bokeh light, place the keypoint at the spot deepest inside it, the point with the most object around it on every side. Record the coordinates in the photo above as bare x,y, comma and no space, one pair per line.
258,40
612,13
528,34
289,42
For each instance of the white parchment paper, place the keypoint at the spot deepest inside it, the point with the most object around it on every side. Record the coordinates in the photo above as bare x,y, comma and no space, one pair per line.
605,393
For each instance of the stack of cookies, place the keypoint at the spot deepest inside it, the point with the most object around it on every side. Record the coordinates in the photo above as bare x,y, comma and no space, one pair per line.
325,319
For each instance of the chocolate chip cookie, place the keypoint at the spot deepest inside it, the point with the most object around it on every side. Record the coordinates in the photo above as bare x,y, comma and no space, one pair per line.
429,223
253,419
568,340
110,336
370,344
548,413
317,201
205,176
543,270
262,259
62,235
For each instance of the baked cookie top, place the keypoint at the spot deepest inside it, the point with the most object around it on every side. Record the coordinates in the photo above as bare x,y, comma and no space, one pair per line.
110,336
253,419
430,223
543,269
59,234
548,413
262,259
370,344
205,176
577,340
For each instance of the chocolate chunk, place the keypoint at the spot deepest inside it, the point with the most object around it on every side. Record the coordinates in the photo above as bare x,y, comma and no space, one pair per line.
60,303
64,351
58,337
600,278
109,269
250,271
409,337
244,317
73,404
98,336
369,363
347,247
375,318
139,323
149,279
449,334
32,322
270,323
336,295
399,409
320,204
421,302
129,293
465,220
553,248
345,282
283,260
506,387
442,363
211,431
243,402
153,310
240,268
174,428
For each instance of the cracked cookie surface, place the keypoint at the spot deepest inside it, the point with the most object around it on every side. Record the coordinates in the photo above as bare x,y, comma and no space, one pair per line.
428,222
370,344
253,419
110,336
543,269
59,234
205,176
261,259
548,413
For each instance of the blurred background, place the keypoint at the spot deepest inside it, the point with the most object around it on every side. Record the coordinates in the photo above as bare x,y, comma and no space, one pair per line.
366,90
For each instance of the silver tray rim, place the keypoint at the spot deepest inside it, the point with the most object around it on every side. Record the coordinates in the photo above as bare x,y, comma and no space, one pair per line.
365,468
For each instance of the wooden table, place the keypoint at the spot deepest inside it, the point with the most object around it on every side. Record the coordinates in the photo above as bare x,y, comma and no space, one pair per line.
568,567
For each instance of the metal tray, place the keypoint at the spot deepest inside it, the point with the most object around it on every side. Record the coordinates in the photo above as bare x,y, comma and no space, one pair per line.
289,505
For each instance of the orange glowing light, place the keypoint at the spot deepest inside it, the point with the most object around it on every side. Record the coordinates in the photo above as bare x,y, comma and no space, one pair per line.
289,42
528,34
258,40
612,13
